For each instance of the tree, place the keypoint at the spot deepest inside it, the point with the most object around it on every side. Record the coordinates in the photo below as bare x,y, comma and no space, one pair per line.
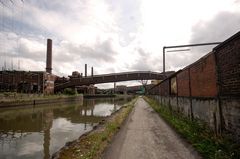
144,85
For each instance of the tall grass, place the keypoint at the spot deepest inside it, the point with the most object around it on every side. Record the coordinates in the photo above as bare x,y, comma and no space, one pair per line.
209,145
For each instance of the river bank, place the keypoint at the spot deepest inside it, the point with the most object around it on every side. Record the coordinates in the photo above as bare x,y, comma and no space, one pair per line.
99,95
40,131
93,143
17,100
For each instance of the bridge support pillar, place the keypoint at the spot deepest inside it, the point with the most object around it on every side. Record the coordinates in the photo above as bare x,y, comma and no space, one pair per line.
125,92
91,89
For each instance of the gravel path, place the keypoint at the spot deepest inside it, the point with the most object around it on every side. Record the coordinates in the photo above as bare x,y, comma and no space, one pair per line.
146,136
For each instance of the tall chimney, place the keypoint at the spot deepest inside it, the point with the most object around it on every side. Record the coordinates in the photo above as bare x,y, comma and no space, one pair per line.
92,72
85,70
49,56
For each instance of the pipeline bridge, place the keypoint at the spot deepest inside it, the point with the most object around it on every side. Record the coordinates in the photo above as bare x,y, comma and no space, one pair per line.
112,77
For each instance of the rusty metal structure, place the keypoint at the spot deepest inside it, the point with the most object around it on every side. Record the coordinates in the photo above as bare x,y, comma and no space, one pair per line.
107,78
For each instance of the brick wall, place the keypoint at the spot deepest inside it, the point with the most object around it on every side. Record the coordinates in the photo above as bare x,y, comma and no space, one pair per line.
228,63
21,81
173,84
183,83
203,77
161,89
155,90
165,88
219,70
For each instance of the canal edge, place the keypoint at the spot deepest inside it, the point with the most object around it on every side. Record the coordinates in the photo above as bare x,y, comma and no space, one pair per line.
127,119
72,149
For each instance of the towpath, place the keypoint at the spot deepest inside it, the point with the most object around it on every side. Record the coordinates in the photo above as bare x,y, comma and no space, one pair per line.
146,136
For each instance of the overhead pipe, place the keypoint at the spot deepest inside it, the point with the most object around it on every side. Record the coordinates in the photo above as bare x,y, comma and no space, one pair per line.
179,46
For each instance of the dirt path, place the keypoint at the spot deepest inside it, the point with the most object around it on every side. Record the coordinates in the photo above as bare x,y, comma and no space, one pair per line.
146,136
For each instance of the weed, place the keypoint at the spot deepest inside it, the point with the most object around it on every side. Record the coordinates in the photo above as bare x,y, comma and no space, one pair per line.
198,134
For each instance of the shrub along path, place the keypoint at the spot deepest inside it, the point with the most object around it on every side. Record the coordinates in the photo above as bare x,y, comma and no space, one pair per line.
145,135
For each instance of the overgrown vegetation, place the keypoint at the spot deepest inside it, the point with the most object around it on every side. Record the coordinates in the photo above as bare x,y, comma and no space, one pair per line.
198,134
92,145
70,91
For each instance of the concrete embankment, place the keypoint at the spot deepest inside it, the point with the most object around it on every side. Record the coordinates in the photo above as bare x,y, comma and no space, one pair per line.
41,101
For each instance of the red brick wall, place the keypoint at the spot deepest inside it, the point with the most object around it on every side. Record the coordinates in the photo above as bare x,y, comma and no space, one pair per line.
183,83
228,62
203,77
165,88
15,78
49,83
155,90
161,89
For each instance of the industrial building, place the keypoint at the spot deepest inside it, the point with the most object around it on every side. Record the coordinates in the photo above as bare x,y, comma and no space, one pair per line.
30,81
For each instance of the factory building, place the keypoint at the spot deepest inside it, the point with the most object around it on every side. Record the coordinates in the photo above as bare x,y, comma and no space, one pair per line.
30,81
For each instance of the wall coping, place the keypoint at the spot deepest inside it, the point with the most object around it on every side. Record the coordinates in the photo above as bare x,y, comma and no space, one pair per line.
235,36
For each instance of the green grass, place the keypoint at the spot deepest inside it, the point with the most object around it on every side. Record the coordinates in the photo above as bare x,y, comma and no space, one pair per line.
92,145
198,134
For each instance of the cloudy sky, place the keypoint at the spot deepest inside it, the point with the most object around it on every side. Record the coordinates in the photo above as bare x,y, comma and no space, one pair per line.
111,35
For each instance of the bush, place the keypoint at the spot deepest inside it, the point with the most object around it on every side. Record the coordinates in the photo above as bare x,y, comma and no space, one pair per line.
70,91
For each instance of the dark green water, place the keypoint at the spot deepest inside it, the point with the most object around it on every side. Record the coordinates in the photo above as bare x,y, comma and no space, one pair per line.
38,132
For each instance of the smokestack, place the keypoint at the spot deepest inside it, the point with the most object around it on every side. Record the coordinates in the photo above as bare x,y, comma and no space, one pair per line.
114,87
49,56
85,70
92,71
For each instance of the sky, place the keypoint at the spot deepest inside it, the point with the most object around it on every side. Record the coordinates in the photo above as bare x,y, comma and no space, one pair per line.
111,35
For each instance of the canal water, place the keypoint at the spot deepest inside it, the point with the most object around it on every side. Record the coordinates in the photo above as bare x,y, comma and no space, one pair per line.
38,132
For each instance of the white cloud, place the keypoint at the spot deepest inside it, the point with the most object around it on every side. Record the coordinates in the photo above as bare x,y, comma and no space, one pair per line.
111,36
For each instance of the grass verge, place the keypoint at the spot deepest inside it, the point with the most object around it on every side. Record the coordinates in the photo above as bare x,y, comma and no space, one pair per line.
92,145
198,134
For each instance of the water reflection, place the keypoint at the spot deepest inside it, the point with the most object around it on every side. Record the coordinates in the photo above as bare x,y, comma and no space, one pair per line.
37,132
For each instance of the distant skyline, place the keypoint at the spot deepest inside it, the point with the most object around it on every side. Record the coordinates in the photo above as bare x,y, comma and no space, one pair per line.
110,35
